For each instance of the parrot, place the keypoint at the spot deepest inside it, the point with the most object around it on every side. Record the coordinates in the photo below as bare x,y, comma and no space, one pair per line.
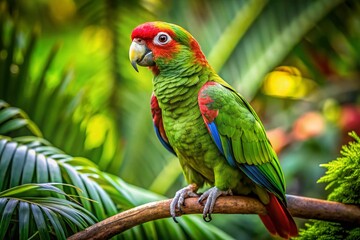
214,132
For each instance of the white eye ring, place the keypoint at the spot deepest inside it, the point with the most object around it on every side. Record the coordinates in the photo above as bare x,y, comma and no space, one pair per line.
162,38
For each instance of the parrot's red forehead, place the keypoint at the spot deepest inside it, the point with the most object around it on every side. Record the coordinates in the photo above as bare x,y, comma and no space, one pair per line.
150,29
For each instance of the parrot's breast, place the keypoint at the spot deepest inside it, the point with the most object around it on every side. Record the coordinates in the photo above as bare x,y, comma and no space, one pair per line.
189,137
184,126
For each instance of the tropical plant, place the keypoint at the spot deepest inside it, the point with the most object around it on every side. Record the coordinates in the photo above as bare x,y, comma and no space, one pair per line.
343,177
39,215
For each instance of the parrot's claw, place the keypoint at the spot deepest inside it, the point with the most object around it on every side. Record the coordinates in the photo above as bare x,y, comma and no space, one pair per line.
212,194
179,199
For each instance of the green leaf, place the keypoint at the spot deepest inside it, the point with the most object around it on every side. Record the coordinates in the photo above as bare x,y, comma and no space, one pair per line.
29,167
6,215
76,180
33,142
17,165
54,173
5,161
12,119
41,169
2,203
93,194
34,190
108,204
40,221
54,219
12,125
18,190
8,113
24,220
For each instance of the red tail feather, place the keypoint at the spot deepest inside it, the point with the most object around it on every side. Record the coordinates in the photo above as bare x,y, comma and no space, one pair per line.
278,221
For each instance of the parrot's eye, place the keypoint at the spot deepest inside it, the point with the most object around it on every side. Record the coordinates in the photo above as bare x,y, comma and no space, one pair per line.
162,38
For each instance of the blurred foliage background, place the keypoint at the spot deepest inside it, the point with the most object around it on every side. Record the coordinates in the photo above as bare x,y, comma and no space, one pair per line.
65,63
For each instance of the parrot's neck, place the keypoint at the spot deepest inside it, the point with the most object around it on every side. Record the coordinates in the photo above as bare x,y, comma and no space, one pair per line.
179,87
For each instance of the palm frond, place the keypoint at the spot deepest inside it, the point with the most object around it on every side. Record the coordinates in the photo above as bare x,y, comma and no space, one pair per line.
62,168
52,216
12,119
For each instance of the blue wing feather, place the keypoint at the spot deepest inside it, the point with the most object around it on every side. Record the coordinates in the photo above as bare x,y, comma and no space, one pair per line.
215,136
158,124
163,142
229,153
217,139
256,175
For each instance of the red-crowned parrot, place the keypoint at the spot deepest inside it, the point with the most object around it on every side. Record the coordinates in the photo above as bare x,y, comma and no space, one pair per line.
212,129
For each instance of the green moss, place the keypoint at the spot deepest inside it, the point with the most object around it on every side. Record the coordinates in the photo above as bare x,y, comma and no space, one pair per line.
322,230
343,176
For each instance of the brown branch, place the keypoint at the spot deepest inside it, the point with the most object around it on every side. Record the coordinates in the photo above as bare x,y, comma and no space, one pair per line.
308,208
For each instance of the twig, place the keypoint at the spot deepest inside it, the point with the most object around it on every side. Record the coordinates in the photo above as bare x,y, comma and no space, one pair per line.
302,207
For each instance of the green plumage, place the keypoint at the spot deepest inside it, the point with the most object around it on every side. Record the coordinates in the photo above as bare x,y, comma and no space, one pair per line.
187,133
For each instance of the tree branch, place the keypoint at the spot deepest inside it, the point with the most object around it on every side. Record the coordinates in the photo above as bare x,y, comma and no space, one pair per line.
302,207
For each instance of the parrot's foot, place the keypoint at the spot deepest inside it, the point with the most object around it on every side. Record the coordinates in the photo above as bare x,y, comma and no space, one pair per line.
179,199
212,194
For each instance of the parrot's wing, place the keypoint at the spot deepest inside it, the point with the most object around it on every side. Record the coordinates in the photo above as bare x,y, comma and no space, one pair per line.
240,136
158,124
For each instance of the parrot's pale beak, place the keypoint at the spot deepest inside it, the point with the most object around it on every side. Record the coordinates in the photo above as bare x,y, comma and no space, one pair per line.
139,54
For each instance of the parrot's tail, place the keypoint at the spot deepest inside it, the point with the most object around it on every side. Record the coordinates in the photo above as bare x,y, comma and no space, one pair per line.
278,220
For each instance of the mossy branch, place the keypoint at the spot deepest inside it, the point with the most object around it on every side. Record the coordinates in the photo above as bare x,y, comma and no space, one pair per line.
301,207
